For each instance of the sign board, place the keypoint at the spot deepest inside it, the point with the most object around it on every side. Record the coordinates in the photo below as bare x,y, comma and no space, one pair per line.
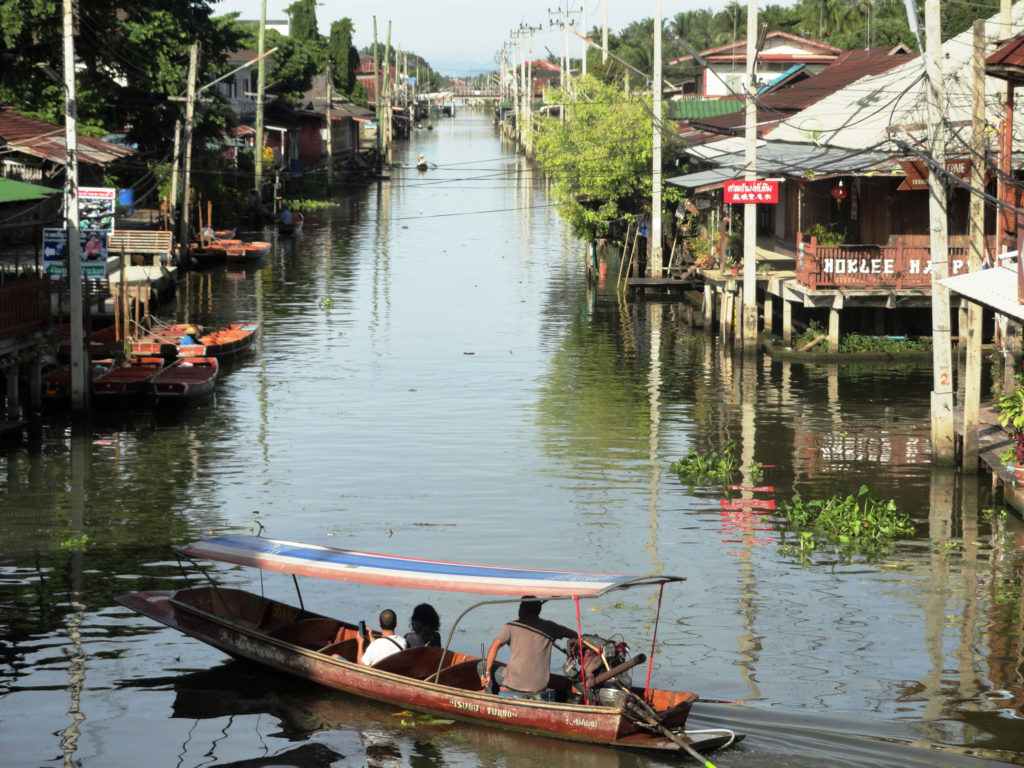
96,208
740,191
93,252
917,172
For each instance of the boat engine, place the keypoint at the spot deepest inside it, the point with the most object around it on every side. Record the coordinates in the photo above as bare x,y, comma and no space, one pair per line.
588,665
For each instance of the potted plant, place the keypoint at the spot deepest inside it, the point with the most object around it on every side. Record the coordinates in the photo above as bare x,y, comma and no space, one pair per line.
1011,416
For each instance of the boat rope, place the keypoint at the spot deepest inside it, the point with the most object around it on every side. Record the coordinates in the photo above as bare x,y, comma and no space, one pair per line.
650,665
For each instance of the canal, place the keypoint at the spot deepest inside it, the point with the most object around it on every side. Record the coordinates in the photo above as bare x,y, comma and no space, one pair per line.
435,378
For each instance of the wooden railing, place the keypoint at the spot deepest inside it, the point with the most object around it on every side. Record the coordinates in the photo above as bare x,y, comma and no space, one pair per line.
24,306
904,262
132,241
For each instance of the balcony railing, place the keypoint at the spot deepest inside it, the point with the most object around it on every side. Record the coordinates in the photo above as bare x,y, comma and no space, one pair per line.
24,306
904,262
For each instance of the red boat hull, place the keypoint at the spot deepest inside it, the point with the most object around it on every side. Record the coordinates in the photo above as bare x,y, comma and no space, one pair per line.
130,379
304,644
227,342
186,380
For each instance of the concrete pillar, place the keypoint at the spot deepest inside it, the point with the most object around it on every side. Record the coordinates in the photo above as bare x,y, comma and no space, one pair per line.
13,405
35,384
709,305
723,313
787,321
769,301
961,326
833,330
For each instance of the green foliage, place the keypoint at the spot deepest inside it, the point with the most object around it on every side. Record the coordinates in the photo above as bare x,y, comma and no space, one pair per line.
709,467
1008,457
306,206
853,525
600,157
855,342
343,56
827,234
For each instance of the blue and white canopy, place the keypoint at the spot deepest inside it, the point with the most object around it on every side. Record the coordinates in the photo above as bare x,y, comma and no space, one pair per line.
368,568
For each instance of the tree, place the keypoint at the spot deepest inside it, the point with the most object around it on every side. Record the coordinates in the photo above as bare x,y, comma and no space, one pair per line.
344,56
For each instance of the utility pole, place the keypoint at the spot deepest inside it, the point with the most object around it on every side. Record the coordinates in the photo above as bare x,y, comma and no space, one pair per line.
261,78
943,448
583,53
174,176
330,128
387,96
655,233
749,317
376,95
190,107
975,254
604,32
79,361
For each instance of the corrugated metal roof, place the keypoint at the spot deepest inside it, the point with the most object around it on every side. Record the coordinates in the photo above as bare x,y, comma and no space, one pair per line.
689,109
994,288
45,141
793,160
861,114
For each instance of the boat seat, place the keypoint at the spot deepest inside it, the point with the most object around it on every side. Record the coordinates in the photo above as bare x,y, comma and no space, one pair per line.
345,649
309,633
464,675
414,662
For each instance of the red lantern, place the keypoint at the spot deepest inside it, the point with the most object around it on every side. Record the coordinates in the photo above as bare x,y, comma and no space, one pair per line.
839,192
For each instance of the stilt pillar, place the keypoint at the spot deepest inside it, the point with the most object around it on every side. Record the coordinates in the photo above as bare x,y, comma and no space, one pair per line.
833,330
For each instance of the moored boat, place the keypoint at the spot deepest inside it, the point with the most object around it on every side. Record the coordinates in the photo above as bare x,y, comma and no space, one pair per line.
186,380
226,342
162,341
601,708
56,384
253,251
101,343
128,380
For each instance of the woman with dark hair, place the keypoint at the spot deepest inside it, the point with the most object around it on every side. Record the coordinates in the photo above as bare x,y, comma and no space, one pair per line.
425,624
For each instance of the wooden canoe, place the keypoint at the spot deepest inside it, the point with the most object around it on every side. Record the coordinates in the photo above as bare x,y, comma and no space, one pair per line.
186,380
226,342
322,649
253,251
162,341
128,380
437,681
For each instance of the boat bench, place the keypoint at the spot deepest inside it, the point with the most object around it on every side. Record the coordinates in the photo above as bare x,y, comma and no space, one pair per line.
345,649
464,675
421,662
309,633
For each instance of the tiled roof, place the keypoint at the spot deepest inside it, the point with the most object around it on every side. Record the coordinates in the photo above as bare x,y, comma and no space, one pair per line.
689,109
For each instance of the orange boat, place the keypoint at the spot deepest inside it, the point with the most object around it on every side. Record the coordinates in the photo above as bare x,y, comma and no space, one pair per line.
233,340
161,341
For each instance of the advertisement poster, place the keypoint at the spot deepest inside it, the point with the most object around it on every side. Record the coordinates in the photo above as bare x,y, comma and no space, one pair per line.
94,252
96,208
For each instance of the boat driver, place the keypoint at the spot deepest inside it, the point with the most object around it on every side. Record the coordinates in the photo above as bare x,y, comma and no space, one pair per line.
383,646
529,639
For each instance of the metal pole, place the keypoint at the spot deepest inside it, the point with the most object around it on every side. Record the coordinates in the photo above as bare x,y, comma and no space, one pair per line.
193,66
604,32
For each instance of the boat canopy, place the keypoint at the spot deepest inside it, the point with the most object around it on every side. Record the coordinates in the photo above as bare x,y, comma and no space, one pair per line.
368,568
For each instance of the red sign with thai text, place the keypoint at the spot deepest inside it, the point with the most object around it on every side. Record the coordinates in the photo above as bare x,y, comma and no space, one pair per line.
740,191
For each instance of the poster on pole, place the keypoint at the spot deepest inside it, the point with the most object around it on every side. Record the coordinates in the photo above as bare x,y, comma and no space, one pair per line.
55,251
93,252
96,208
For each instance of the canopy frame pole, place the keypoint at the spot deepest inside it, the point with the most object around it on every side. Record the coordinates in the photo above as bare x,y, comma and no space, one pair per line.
654,639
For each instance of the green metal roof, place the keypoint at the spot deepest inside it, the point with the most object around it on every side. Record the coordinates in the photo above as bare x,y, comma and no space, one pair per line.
12,191
688,109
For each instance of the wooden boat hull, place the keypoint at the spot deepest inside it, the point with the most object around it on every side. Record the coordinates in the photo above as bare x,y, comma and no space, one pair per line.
235,339
186,380
128,380
253,251
56,384
302,643
100,343
162,343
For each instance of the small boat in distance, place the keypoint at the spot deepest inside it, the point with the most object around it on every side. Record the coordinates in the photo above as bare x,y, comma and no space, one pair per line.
227,342
185,380
162,341
253,251
293,227
588,703
129,380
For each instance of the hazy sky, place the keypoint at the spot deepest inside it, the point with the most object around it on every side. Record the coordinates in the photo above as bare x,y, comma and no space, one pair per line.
460,37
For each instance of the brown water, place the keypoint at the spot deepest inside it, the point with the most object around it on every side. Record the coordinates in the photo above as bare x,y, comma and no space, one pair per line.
436,379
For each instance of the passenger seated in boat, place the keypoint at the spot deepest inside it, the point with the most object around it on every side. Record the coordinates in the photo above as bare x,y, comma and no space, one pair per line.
286,217
191,336
425,624
383,646
529,640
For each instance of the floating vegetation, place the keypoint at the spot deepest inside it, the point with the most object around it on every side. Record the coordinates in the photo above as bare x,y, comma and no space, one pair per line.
306,206
847,525
75,544
713,467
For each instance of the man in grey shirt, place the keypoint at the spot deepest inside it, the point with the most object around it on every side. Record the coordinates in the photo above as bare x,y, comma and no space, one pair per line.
529,640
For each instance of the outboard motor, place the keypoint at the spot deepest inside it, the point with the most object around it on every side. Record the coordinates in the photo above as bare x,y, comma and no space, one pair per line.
602,667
